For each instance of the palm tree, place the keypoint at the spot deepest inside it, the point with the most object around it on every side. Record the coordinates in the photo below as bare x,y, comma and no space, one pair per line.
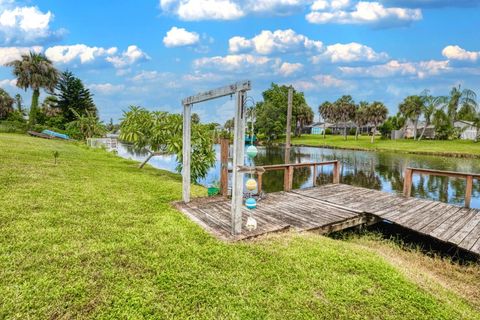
19,102
411,108
361,117
6,104
377,113
36,72
430,106
461,102
345,108
50,106
304,116
325,111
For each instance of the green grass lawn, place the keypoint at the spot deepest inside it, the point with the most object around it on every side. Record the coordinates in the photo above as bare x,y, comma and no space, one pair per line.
438,147
95,237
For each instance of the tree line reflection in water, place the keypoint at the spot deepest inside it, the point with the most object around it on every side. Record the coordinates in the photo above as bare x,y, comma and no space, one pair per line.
375,170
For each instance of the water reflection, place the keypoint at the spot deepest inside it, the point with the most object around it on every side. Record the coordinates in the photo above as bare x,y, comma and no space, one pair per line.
375,170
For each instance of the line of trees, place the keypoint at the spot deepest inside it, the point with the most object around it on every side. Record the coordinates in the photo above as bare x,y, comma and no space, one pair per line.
345,110
68,106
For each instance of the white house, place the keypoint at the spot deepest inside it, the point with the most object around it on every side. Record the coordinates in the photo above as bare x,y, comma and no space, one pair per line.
467,129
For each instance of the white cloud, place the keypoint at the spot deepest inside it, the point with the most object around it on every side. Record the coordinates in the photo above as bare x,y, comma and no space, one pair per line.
177,37
106,88
394,68
235,62
321,81
8,83
132,55
458,53
25,25
77,52
350,52
287,69
194,10
362,12
8,54
268,42
84,54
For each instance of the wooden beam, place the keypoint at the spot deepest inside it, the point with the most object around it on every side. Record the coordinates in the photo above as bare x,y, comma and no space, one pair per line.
407,182
224,145
468,191
217,93
238,162
187,132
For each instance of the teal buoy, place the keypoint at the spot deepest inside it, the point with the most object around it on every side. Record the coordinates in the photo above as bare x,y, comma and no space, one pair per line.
252,151
251,203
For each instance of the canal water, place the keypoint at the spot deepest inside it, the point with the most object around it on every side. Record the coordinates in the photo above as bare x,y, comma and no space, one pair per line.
375,170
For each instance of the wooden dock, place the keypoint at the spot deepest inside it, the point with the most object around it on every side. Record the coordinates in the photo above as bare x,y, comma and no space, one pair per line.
336,207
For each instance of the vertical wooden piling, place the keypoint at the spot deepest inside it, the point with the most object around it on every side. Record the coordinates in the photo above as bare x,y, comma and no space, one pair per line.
407,182
468,191
336,172
224,145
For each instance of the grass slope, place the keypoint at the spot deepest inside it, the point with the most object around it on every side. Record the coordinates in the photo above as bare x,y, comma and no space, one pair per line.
94,237
438,147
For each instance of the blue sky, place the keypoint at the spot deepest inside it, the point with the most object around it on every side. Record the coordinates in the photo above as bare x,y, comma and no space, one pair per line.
154,53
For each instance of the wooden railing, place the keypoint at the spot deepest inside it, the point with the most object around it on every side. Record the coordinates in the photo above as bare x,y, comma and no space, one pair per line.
407,182
289,169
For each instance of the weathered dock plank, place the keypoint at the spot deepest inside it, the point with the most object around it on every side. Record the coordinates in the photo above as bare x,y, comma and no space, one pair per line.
334,207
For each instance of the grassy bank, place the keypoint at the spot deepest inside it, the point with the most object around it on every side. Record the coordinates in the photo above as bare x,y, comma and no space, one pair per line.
94,237
455,148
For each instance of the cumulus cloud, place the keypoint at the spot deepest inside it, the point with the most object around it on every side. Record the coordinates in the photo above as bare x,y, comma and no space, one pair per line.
393,68
25,25
458,53
8,54
8,83
268,42
178,37
236,62
106,88
83,54
362,12
77,52
320,82
350,52
287,69
132,55
194,10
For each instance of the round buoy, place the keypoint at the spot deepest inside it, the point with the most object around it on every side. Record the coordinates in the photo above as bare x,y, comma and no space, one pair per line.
251,184
251,203
252,151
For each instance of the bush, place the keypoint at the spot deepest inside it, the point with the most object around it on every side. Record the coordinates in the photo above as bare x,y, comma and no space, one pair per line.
13,127
328,131
352,131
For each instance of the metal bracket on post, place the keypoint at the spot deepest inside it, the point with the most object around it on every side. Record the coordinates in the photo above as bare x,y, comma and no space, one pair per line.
238,162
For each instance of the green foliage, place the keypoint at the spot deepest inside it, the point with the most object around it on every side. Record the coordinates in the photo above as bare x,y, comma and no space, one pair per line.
161,132
85,126
271,113
34,71
7,126
73,98
6,104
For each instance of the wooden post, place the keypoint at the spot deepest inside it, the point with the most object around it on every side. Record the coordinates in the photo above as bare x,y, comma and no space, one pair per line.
407,182
259,182
289,125
238,160
314,175
285,179
336,172
468,191
224,144
187,119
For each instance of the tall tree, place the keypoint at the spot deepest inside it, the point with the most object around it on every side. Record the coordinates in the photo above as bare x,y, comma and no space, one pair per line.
34,71
412,107
271,113
325,110
229,124
461,103
430,106
360,117
345,108
376,114
195,118
73,97
19,103
303,116
6,104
